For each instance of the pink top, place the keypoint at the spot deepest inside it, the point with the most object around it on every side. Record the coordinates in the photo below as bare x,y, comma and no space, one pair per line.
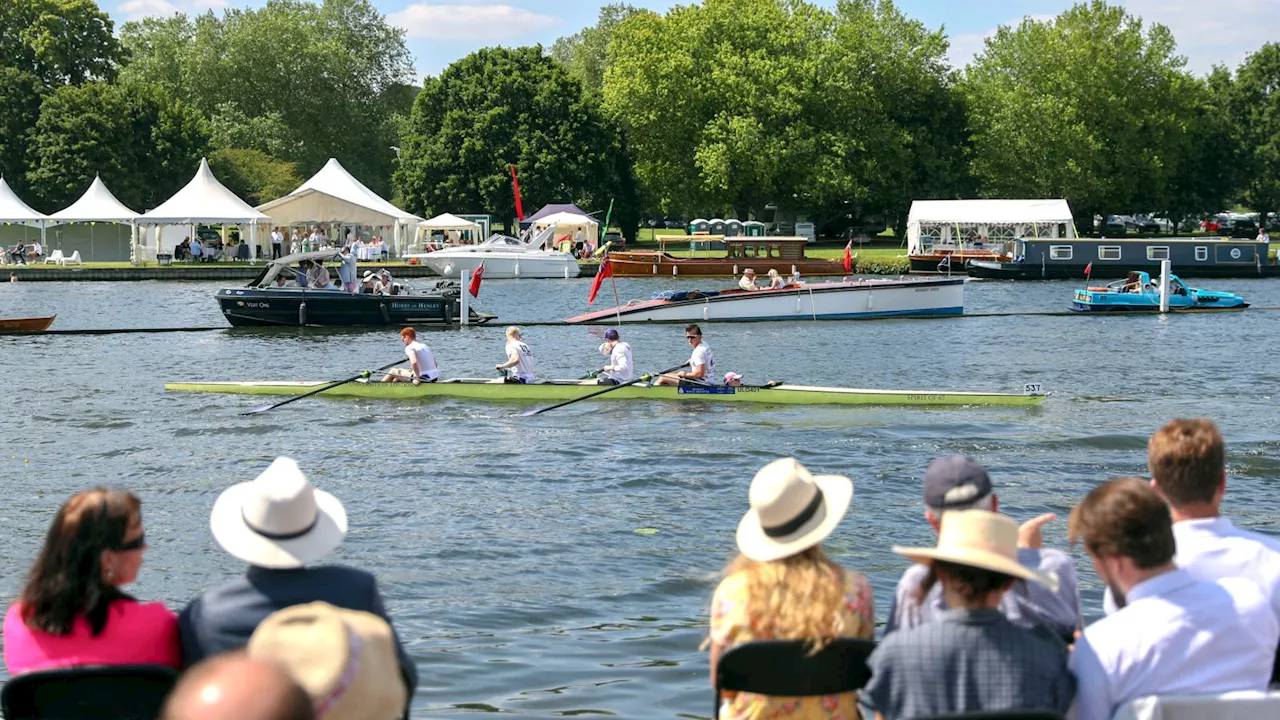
135,633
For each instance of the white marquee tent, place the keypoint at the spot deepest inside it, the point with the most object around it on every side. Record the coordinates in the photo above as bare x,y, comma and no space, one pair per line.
15,212
952,222
570,223
449,221
96,205
334,196
203,201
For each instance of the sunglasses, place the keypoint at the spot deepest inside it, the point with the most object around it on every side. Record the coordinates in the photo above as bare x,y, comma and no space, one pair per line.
692,337
135,544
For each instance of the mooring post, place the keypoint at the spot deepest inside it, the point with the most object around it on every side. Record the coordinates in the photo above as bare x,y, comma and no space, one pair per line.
465,315
1166,267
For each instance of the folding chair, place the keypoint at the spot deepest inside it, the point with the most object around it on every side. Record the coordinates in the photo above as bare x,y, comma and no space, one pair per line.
89,692
784,668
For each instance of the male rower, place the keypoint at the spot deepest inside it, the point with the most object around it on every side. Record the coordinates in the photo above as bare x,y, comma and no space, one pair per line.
519,356
702,364
620,365
422,363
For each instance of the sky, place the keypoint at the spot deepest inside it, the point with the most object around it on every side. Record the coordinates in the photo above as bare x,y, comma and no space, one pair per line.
441,31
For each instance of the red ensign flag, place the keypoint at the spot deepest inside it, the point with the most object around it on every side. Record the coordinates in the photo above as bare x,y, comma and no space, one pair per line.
848,257
1088,269
515,185
606,270
474,288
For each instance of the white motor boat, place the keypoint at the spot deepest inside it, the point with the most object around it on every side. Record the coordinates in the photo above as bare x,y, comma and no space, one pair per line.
817,301
504,257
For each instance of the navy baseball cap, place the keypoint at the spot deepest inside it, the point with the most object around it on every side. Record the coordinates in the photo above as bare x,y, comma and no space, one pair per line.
611,334
955,481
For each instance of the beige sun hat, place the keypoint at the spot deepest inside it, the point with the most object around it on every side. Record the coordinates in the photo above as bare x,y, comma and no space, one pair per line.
791,510
345,659
278,520
981,539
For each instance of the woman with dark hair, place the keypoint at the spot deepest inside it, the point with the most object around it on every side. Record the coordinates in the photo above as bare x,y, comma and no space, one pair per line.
72,611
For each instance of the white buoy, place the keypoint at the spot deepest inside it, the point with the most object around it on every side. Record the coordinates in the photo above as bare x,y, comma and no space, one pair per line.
566,272
675,270
517,271
1165,268
466,299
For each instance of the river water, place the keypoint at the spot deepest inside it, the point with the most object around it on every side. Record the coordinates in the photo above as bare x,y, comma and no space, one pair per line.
507,547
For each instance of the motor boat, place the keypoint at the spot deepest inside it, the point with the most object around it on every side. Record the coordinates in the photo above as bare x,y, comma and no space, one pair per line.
1139,292
504,257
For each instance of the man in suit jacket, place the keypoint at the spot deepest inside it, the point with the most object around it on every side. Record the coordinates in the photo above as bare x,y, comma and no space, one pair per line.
279,524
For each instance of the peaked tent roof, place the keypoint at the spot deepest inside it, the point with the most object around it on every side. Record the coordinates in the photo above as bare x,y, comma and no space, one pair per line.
552,210
203,200
448,221
990,211
96,204
13,210
334,195
566,218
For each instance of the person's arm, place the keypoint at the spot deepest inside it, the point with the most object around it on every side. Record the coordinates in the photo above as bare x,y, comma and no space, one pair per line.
1093,691
414,365
699,372
408,668
189,635
623,366
513,359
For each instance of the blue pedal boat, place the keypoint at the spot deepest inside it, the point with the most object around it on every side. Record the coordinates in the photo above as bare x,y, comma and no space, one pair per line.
1140,293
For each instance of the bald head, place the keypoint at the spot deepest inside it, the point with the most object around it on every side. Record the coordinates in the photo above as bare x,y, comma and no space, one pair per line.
234,686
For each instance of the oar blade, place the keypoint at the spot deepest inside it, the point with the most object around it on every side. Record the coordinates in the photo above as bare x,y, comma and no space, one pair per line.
527,413
259,409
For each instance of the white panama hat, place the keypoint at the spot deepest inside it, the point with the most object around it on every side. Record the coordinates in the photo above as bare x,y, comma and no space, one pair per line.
278,520
791,510
981,539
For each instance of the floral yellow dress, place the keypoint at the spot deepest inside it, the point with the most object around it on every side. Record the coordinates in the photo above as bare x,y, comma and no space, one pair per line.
733,623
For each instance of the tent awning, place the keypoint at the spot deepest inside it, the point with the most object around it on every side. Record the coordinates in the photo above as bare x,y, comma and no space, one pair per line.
13,210
97,204
203,200
989,211
333,195
448,221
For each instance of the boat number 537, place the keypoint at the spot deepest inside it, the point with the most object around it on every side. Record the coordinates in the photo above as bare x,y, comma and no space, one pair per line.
1031,389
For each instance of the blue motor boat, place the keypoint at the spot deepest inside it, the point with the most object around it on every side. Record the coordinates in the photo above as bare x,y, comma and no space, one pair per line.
1140,293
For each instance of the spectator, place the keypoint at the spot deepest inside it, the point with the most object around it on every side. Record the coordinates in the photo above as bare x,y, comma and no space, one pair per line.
1174,634
72,611
235,686
19,254
970,658
748,280
318,276
783,586
281,526
347,270
35,251
344,659
196,250
277,243
960,483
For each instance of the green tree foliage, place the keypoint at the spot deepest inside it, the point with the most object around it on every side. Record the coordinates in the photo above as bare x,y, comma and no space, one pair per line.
1090,106
58,41
584,53
145,144
1208,161
308,81
502,106
20,97
254,175
1256,105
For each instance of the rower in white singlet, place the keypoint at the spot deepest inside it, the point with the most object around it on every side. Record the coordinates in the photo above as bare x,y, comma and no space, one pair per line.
519,357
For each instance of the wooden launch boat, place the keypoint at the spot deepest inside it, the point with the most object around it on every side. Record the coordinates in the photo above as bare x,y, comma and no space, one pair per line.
762,254
13,326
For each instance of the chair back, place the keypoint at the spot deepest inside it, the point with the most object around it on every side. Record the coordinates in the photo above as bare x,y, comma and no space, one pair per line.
999,715
121,692
784,668
1243,705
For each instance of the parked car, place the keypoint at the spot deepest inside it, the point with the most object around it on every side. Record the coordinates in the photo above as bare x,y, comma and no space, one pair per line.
615,237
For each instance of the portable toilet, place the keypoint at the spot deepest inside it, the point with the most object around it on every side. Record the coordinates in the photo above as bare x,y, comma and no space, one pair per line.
753,228
732,228
698,226
716,226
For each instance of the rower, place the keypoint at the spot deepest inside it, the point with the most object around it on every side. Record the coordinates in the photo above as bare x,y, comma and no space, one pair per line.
748,281
732,379
422,362
702,363
519,357
620,365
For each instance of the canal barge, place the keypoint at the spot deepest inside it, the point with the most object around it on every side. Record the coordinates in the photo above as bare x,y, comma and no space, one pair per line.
1058,259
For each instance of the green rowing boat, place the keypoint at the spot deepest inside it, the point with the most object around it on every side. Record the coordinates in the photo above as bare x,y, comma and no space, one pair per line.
559,390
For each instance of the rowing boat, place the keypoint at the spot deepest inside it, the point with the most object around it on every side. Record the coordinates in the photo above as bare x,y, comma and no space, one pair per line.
559,390
25,325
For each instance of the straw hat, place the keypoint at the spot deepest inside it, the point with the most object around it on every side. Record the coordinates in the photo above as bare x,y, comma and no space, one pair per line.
368,275
748,271
278,520
981,539
791,510
345,659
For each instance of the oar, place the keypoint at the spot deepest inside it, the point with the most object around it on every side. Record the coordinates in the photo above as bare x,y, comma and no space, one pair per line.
609,389
265,408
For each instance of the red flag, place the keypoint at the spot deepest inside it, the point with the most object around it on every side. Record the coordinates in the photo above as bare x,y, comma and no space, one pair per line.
474,288
606,270
1088,269
516,184
848,257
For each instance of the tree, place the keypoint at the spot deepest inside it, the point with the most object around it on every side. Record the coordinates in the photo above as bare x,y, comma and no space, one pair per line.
254,175
20,97
1207,165
497,107
1256,108
144,143
584,53
323,76
58,41
1088,106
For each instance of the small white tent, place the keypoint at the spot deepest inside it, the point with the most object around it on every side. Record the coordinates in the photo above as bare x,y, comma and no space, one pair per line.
567,223
952,222
14,211
204,201
449,221
333,195
96,205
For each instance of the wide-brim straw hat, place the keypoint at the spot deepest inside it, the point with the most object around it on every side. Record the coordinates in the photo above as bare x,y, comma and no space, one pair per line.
791,510
278,520
345,659
981,539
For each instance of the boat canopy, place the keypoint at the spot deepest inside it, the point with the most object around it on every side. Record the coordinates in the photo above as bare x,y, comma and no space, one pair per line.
956,225
275,267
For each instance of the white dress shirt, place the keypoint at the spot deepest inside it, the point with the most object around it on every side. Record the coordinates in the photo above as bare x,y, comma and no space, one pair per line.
1177,635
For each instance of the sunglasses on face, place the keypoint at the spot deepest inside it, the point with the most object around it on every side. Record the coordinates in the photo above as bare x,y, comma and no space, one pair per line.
135,544
692,337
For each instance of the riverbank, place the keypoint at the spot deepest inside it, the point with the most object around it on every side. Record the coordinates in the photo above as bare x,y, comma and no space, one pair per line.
128,272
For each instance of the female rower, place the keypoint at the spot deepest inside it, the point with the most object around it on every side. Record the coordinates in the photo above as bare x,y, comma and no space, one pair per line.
72,611
782,586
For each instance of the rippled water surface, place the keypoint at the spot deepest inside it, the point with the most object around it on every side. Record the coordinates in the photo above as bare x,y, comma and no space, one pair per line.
507,547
